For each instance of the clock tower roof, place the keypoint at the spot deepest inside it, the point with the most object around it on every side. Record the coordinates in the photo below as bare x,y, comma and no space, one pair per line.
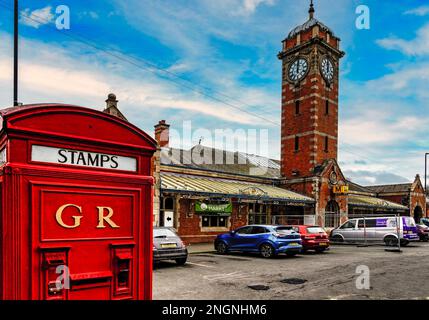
310,23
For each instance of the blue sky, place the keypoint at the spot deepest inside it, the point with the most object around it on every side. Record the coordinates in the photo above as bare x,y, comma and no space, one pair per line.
227,49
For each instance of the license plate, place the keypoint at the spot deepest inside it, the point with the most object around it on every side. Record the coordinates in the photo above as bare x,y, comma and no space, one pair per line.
323,244
168,245
294,244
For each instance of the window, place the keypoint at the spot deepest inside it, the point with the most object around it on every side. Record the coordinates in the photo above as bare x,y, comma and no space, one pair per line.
163,233
259,230
257,213
368,223
315,230
166,211
244,230
332,214
326,144
286,229
327,107
349,225
409,222
296,144
297,105
214,221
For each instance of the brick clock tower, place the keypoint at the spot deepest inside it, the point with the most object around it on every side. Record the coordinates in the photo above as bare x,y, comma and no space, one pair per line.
309,126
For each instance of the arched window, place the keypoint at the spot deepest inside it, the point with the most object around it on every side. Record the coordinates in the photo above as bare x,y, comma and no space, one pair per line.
332,214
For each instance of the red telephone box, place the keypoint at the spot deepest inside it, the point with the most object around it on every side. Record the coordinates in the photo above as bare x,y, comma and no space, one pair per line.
76,205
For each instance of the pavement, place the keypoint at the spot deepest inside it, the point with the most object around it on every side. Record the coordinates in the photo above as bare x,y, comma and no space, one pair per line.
196,248
332,275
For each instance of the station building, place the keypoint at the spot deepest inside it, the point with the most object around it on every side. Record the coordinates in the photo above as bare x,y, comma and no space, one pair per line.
202,198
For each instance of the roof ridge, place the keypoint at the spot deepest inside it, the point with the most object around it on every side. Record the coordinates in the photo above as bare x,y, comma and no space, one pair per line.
222,150
390,184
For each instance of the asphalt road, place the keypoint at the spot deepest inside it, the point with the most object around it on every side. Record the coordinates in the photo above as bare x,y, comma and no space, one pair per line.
330,275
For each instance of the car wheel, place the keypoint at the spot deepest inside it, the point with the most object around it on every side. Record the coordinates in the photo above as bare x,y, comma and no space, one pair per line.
391,241
222,248
267,251
337,238
181,261
404,243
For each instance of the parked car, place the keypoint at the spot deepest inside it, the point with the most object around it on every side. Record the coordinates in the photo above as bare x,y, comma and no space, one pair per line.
377,229
425,221
423,232
167,245
313,238
267,240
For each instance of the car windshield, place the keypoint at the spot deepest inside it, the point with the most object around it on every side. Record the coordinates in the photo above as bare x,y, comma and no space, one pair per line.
163,233
315,230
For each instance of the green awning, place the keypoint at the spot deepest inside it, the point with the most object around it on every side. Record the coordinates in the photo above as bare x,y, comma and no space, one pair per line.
216,187
373,202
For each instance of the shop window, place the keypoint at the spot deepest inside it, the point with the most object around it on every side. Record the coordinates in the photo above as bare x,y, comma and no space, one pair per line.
258,213
214,221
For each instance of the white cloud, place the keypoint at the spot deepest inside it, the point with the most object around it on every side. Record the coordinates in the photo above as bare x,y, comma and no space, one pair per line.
415,47
381,128
77,77
250,6
420,11
91,14
38,17
365,177
409,80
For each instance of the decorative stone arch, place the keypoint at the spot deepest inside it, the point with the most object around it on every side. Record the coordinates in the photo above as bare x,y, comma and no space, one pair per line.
418,213
332,214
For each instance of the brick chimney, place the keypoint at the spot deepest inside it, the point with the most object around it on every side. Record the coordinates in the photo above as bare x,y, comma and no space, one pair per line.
112,107
162,134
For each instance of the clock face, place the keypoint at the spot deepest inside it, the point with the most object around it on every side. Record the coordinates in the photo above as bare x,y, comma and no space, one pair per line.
298,69
333,178
327,68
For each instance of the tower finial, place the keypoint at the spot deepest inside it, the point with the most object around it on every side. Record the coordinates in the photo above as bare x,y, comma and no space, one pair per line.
311,10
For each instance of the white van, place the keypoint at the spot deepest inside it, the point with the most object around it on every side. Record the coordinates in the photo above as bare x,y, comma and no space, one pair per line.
377,229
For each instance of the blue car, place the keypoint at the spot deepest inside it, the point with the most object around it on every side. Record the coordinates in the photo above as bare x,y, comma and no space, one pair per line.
264,239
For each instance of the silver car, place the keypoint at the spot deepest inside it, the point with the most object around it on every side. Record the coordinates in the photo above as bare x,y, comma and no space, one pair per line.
377,229
167,245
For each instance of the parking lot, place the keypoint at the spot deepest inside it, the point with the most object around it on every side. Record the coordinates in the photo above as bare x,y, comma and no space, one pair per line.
330,275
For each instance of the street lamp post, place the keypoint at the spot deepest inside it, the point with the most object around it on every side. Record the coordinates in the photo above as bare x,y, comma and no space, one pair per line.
15,54
426,172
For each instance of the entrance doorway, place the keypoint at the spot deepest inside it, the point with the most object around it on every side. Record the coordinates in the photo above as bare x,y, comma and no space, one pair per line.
418,214
332,214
